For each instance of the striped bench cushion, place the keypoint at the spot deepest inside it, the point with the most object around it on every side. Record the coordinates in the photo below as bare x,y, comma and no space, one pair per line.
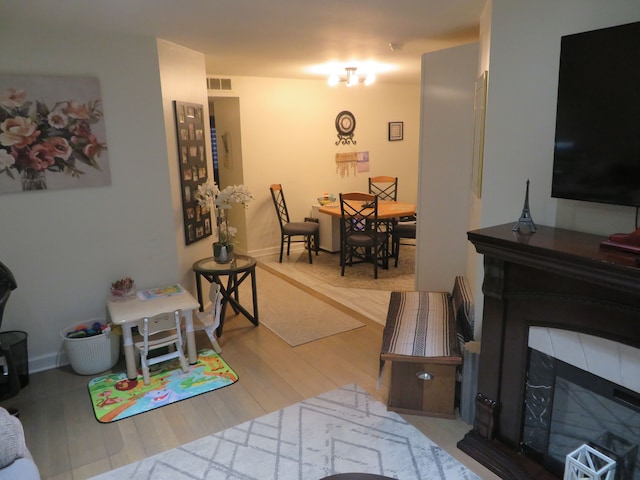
462,301
420,324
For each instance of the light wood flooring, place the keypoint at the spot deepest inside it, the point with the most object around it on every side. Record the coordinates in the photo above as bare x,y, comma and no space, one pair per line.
369,303
68,443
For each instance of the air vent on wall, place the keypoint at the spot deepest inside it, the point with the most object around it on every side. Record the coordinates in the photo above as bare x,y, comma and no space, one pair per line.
218,83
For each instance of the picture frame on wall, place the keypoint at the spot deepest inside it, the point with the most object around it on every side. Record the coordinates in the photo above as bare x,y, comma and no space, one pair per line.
53,133
193,169
396,131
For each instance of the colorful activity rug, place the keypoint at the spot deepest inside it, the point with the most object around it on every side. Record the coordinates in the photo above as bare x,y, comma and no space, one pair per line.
115,397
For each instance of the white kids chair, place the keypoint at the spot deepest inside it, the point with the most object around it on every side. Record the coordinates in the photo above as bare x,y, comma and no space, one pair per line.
162,330
210,321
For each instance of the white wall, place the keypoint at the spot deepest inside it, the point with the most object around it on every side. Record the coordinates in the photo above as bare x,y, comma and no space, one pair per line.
448,78
65,247
230,161
288,137
523,40
182,73
520,129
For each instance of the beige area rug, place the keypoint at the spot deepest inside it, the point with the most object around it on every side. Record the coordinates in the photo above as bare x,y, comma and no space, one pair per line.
295,315
326,267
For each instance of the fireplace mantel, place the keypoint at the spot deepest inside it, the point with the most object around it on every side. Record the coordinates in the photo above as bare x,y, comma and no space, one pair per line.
553,278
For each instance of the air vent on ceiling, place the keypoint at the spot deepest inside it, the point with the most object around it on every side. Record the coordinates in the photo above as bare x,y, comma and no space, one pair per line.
218,83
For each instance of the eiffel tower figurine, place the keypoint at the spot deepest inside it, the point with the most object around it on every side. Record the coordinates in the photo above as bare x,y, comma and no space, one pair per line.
525,217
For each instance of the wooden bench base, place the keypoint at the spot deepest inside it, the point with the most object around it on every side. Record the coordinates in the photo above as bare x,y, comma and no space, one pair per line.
410,392
420,341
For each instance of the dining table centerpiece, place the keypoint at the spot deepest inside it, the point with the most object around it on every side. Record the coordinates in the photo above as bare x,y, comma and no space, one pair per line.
210,196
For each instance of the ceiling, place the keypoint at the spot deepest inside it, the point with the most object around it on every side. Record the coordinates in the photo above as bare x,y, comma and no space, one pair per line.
272,38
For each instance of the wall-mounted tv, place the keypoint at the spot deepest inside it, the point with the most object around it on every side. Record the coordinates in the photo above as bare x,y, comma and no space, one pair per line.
597,144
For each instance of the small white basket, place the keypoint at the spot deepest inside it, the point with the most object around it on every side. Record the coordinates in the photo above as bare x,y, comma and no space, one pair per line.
91,355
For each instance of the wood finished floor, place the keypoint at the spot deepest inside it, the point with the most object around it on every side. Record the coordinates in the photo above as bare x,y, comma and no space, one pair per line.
371,304
68,443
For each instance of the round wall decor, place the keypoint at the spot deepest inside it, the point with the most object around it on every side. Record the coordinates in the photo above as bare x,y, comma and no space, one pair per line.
345,125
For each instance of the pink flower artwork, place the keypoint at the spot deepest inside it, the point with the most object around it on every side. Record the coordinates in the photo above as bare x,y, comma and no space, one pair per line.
52,133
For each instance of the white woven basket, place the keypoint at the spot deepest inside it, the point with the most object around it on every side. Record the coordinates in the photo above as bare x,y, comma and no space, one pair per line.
91,355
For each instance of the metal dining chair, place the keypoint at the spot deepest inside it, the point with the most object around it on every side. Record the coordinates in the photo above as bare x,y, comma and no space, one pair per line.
402,229
364,238
309,230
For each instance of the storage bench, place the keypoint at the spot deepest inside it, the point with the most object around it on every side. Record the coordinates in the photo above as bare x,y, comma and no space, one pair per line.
422,338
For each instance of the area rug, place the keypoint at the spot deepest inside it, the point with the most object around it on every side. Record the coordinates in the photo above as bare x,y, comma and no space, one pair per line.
345,430
301,319
326,267
115,397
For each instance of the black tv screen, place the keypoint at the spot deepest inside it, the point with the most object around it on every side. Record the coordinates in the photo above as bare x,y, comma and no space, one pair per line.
597,144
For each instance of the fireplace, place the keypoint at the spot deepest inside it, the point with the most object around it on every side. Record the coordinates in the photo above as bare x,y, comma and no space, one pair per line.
556,279
567,406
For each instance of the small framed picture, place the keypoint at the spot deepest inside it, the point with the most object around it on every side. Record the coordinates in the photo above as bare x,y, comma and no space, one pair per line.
396,131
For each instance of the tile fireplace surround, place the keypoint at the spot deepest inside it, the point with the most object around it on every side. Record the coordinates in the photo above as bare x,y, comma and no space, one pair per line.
555,278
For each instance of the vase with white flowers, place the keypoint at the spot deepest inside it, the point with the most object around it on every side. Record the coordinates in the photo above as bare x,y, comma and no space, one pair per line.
210,196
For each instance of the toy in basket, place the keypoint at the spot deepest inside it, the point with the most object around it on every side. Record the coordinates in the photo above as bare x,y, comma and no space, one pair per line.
123,289
91,347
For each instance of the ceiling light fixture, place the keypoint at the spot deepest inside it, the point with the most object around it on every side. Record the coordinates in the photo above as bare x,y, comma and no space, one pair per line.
351,78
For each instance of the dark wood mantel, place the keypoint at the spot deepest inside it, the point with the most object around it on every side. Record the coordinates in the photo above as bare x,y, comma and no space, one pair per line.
553,278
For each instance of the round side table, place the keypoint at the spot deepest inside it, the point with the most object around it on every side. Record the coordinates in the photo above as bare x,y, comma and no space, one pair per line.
239,269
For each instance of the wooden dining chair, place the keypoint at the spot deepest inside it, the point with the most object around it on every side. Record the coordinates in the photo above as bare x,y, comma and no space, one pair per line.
310,231
364,238
384,187
160,331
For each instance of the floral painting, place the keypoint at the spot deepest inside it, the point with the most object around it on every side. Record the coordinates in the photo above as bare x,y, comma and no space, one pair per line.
52,133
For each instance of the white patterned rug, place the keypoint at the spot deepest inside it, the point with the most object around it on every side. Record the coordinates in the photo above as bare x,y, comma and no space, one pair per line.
345,430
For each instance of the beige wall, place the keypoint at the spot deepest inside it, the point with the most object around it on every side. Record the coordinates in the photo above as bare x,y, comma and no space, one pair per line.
520,131
448,78
181,76
65,247
288,137
523,38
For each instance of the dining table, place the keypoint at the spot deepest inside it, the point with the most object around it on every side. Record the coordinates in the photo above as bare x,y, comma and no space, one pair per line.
387,210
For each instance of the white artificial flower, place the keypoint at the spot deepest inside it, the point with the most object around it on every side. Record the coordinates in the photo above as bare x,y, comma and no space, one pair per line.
233,194
207,193
6,160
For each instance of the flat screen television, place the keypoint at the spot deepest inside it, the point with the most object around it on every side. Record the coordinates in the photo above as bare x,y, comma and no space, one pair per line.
597,142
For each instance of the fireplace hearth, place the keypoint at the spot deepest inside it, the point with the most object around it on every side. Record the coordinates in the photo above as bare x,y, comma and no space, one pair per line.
554,278
566,407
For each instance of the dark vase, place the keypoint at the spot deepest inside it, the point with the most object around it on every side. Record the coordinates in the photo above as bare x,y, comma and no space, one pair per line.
222,252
